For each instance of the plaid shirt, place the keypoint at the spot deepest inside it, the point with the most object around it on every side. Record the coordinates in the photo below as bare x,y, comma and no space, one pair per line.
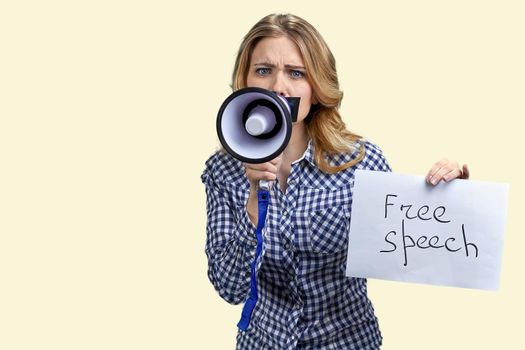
305,299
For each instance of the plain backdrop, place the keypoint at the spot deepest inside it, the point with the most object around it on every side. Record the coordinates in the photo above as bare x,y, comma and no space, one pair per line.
107,115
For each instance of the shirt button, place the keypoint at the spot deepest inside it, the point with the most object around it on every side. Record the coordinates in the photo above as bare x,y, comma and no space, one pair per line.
285,212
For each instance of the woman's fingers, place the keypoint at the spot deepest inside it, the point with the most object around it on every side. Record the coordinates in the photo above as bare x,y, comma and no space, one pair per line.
432,176
277,160
445,170
264,167
256,175
453,174
263,171
466,172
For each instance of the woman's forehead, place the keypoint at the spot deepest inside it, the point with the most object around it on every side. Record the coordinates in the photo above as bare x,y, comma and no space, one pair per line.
277,51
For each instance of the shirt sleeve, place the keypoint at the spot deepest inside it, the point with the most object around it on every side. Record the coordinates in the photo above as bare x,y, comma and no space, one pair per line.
374,158
230,239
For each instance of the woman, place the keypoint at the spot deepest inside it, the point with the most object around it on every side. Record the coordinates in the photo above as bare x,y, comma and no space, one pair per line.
305,301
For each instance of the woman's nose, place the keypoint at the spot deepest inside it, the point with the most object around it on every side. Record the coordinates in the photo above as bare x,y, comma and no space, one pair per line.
279,86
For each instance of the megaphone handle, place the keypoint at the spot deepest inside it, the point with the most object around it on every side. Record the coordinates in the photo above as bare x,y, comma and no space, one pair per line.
264,185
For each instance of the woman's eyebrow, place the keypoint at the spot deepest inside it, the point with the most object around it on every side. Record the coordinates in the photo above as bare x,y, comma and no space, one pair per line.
291,66
271,65
265,64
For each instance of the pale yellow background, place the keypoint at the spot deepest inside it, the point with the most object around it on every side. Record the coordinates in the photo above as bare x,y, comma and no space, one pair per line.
108,113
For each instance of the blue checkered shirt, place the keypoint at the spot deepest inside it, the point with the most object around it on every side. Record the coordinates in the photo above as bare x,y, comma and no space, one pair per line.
305,299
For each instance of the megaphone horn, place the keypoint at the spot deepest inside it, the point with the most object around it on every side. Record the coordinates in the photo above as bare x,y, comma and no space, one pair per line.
254,125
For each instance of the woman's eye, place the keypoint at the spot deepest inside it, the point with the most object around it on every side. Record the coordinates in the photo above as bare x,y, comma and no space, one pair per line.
297,74
262,71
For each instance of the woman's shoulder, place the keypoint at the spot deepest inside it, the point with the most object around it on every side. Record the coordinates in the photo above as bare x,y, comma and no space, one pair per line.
222,167
368,155
372,156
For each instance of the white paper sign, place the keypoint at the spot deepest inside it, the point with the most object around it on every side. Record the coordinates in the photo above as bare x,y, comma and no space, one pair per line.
403,229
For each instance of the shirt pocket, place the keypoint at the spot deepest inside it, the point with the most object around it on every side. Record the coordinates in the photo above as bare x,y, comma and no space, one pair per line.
328,229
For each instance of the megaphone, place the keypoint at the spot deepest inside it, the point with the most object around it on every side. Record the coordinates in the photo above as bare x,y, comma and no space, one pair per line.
255,125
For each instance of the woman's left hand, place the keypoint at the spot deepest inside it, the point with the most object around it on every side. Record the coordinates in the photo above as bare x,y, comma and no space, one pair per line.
446,170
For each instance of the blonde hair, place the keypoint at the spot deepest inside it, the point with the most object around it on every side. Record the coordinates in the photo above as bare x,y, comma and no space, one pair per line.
325,127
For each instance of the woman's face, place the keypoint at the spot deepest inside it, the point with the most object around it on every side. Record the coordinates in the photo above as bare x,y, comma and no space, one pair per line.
277,65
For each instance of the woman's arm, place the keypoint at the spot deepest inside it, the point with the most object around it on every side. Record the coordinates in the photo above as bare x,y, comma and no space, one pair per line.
230,243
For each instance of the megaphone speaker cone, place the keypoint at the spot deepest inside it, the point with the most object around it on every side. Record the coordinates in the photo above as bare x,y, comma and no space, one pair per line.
254,125
261,120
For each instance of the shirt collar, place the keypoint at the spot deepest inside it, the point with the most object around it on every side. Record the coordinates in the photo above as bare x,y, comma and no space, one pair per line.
308,154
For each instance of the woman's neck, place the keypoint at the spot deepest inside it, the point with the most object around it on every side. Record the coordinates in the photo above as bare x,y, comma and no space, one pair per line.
294,150
298,143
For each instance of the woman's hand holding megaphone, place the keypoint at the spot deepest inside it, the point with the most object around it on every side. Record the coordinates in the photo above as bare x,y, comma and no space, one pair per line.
256,172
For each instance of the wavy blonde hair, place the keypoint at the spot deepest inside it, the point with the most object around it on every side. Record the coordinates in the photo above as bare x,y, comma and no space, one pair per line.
325,127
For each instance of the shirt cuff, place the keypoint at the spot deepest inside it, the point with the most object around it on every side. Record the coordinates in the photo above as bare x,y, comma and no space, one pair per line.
245,231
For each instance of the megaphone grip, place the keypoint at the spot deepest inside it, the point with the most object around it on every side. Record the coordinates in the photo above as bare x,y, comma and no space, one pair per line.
264,185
